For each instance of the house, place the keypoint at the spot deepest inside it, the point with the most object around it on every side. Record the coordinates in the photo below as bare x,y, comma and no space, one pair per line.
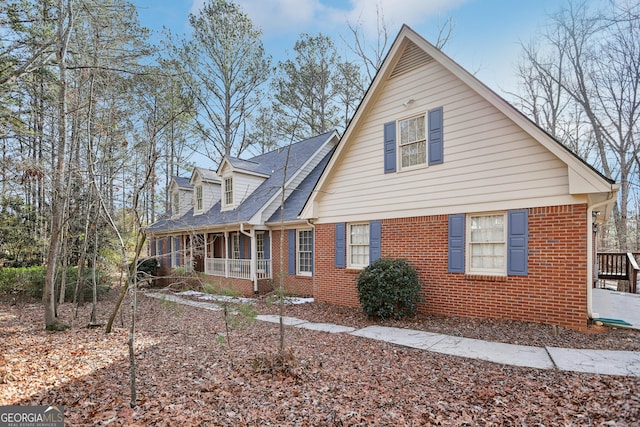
495,214
229,224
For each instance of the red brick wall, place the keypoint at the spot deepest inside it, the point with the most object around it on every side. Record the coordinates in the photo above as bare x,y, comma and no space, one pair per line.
553,292
293,284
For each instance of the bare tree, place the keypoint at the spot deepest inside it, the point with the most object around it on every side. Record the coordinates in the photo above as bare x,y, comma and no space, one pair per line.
371,55
223,65
591,79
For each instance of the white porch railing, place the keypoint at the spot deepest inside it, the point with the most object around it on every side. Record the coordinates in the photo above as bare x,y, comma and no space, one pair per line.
236,268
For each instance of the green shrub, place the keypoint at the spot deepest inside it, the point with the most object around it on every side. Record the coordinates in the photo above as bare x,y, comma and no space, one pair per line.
388,288
29,281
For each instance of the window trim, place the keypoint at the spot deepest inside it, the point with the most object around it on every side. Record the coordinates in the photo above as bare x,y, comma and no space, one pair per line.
235,245
199,198
227,192
175,203
468,245
349,245
260,252
400,145
299,252
174,251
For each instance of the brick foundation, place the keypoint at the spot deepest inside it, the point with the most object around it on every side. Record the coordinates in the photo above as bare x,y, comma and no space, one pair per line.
553,292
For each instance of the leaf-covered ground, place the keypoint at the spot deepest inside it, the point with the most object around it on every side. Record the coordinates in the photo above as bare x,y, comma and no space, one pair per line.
185,376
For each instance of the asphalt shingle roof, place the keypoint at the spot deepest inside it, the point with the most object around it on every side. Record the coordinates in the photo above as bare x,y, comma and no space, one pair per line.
271,164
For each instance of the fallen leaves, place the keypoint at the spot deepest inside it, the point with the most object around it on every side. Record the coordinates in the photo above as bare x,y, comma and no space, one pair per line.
185,378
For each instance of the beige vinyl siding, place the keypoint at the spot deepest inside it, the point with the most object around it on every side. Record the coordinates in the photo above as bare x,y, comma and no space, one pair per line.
489,162
211,194
243,186
186,202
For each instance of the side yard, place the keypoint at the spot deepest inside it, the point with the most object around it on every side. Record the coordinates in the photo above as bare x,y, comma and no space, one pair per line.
185,376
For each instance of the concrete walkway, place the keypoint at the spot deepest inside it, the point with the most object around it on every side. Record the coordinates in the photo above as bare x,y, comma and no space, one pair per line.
605,362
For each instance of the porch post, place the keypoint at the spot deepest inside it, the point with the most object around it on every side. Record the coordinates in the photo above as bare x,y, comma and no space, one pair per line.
226,254
206,244
254,259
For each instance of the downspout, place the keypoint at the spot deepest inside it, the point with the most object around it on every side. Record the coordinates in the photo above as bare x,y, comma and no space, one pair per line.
253,268
590,313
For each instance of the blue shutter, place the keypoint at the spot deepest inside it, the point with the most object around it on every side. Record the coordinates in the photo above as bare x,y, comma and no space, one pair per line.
456,243
517,242
241,239
292,252
436,155
375,234
267,245
341,245
390,147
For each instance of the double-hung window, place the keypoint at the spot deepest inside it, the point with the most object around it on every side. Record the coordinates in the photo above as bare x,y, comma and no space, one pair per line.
305,252
493,243
235,246
175,204
199,204
228,192
260,246
358,245
487,244
175,251
413,143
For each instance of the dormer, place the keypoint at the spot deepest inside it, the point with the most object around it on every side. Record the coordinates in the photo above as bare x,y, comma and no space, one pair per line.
180,194
206,189
239,178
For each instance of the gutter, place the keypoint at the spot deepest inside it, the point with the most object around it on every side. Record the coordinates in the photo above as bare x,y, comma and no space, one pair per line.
590,254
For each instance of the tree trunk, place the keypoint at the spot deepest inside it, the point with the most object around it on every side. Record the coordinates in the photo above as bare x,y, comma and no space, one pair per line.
59,190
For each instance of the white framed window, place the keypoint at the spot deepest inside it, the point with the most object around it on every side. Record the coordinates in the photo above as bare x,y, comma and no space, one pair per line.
228,191
487,243
357,245
158,251
412,141
235,246
260,246
199,203
305,252
175,203
175,251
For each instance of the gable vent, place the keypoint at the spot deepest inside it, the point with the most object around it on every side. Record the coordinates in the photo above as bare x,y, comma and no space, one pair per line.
412,58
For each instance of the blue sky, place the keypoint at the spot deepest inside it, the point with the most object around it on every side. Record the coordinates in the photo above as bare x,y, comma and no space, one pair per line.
485,38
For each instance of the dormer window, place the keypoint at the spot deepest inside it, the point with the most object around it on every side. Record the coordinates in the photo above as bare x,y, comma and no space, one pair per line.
199,203
175,203
228,192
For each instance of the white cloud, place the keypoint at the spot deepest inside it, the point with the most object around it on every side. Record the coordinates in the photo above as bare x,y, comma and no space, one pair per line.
398,12
283,17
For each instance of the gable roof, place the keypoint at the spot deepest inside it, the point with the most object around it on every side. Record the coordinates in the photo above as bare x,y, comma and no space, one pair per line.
409,50
182,183
206,175
296,156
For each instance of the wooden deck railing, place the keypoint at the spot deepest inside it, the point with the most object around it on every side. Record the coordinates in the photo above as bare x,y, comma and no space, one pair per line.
619,266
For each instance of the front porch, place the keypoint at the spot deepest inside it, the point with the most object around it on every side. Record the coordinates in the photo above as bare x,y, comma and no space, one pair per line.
230,254
237,268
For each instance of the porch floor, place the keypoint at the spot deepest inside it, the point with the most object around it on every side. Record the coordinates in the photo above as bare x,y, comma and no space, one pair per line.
621,306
